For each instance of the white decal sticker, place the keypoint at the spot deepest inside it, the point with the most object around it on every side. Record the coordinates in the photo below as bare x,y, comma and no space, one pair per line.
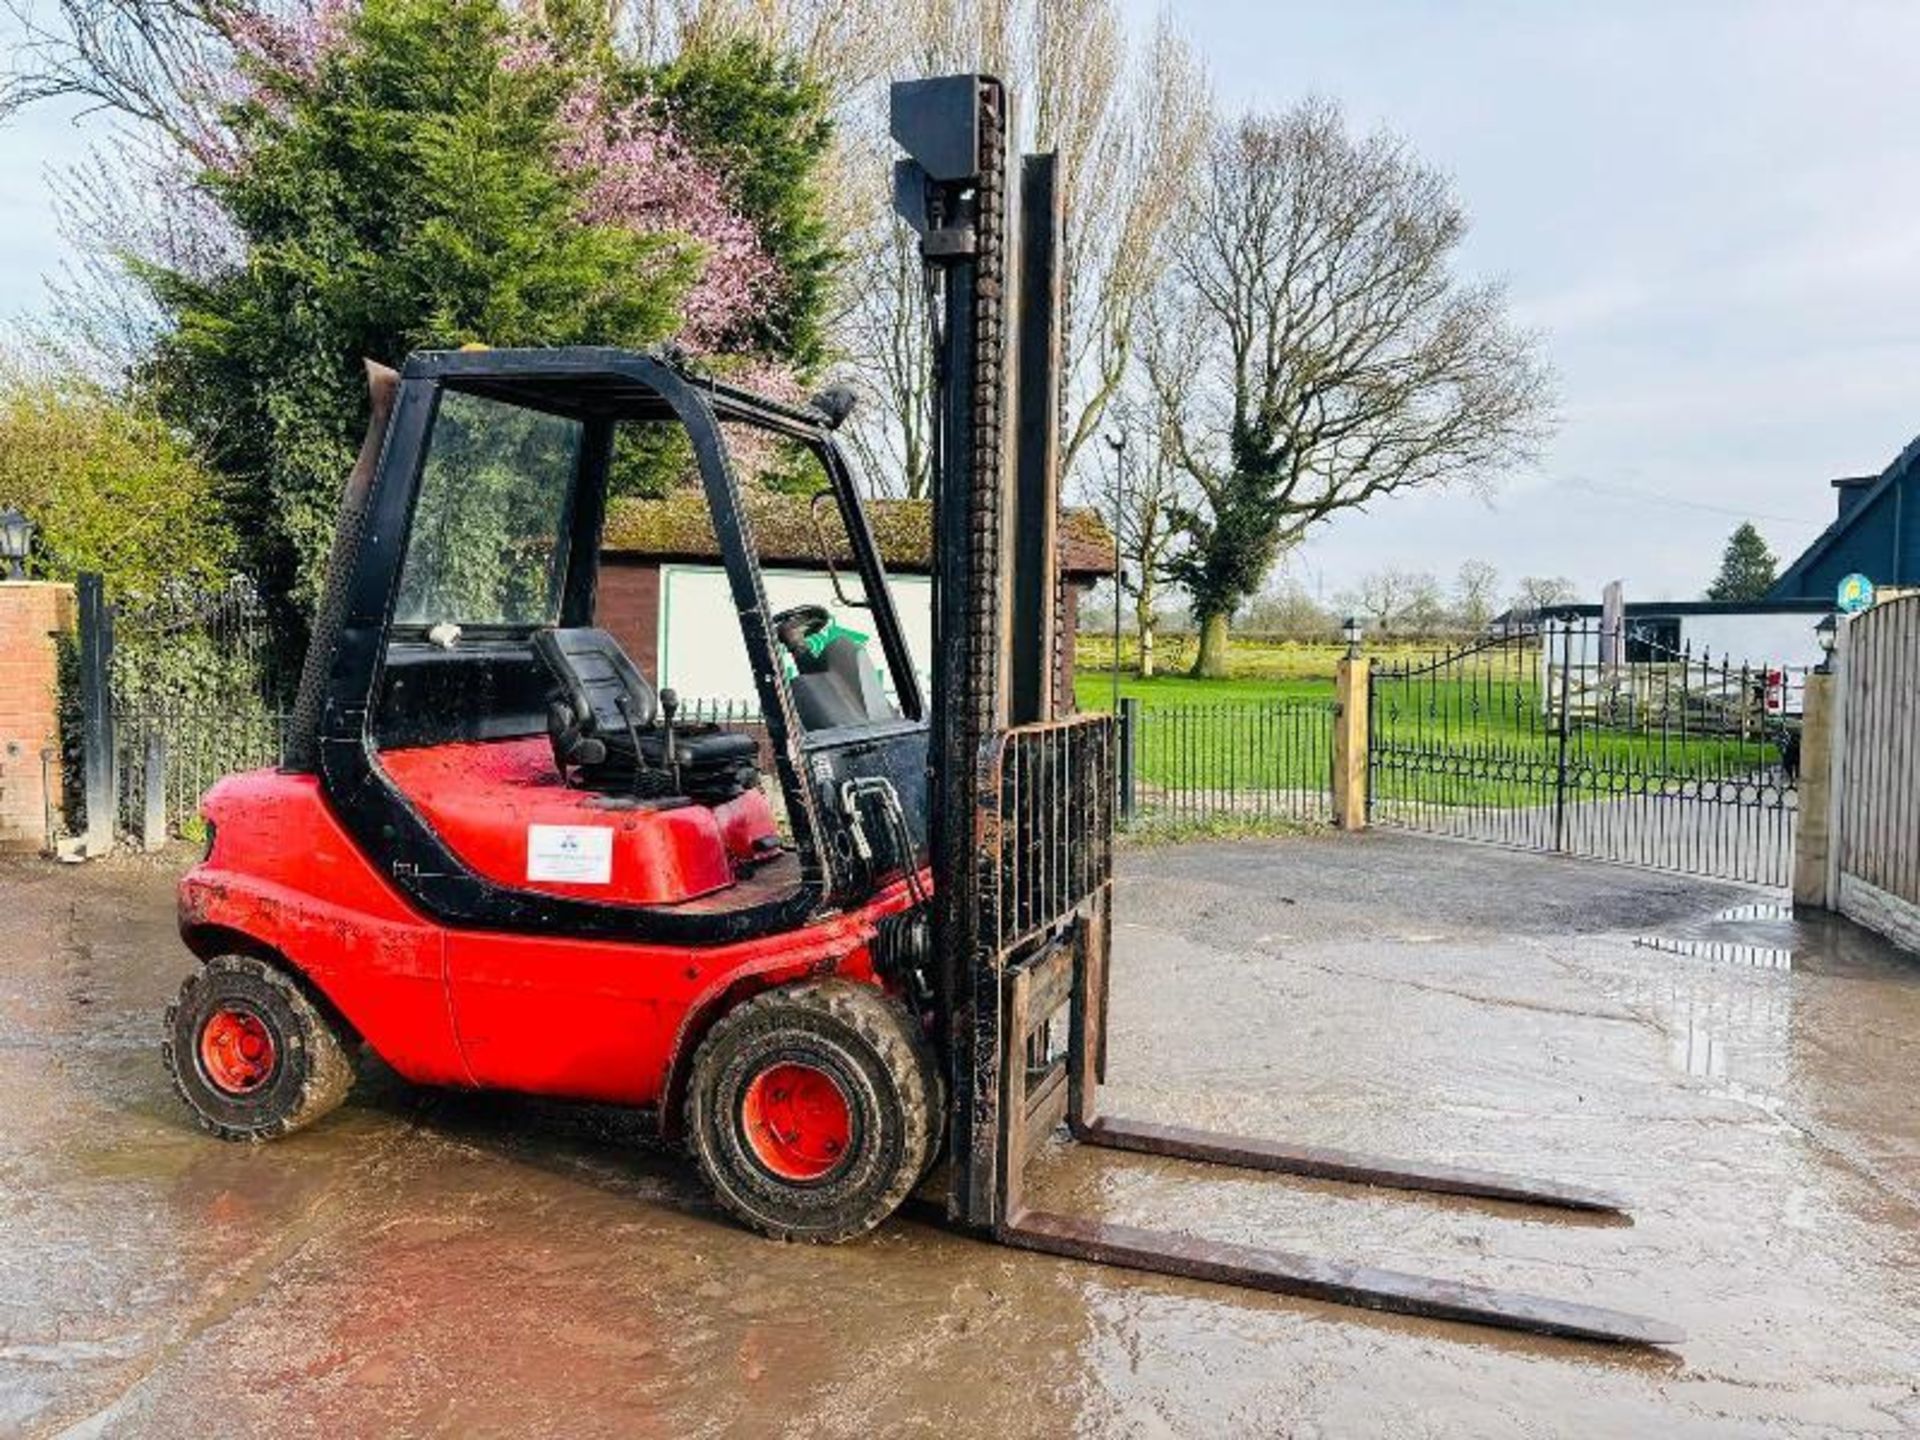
572,854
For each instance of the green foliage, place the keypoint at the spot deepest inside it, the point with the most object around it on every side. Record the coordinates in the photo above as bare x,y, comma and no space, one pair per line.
766,124
1237,538
403,196
488,523
1747,567
205,698
205,690
110,487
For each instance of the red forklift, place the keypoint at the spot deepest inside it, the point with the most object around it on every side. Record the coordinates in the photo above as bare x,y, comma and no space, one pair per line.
499,858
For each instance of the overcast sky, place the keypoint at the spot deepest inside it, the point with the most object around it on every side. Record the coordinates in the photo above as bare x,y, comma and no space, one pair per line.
1708,206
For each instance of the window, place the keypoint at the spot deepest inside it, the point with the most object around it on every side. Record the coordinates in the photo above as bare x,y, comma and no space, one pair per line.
1653,639
489,538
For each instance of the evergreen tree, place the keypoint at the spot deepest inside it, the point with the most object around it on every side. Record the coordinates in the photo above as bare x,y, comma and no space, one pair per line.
396,193
403,174
1747,567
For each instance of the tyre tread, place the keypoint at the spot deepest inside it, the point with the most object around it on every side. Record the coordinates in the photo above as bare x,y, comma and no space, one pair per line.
890,1031
330,1070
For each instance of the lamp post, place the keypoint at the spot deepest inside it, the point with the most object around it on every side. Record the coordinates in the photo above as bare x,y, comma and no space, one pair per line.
1827,632
1117,439
1351,631
16,537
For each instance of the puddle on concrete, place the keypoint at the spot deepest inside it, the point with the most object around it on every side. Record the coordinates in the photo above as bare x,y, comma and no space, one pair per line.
1760,957
1759,935
1740,1034
1769,935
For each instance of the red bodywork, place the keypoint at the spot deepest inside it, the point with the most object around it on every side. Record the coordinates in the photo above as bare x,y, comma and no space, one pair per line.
480,799
598,1020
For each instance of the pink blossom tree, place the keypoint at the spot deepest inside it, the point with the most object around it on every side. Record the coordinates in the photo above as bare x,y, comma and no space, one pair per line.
641,174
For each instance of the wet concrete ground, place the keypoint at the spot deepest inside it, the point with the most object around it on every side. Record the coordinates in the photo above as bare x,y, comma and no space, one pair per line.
432,1263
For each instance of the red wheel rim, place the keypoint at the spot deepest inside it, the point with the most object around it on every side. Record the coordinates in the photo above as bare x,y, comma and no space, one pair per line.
797,1120
237,1052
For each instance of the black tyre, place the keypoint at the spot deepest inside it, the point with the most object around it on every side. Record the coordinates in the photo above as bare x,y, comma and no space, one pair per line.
813,1110
251,1055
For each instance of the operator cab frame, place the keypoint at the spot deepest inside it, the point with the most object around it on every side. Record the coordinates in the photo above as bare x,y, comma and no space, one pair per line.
397,680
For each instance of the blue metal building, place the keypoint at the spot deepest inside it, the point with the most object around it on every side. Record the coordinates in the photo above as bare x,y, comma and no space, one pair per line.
1877,533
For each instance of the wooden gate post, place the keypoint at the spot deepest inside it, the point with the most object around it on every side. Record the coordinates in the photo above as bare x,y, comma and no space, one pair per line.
1813,821
1352,693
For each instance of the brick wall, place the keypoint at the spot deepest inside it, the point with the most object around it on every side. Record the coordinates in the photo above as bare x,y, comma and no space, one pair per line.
628,608
31,614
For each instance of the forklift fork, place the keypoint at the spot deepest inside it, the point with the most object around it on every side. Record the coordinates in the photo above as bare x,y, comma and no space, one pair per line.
1040,1089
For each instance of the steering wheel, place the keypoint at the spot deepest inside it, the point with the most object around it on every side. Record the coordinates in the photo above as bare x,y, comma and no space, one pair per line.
792,626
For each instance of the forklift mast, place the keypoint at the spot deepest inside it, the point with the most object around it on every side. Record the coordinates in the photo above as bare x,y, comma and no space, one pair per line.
1021,797
1020,803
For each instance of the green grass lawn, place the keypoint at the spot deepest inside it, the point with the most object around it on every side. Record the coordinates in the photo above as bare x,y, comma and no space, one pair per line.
1248,658
1094,689
1267,728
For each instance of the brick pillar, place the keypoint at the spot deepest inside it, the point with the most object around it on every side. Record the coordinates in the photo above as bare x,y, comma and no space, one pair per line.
32,613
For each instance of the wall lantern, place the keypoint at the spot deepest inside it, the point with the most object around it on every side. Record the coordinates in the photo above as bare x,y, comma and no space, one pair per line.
16,537
1827,632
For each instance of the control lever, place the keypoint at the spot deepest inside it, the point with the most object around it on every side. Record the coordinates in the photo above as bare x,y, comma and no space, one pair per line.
670,707
625,706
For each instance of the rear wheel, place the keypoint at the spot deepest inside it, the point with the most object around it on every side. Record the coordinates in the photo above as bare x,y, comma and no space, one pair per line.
251,1055
814,1109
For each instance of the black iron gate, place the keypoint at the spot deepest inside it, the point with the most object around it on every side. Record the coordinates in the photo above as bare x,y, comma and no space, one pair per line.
1613,743
177,689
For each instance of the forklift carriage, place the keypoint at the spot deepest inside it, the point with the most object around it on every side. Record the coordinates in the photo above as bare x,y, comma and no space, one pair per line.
499,857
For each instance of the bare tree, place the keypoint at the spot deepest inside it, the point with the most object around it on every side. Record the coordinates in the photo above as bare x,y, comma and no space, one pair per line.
1129,122
1130,129
1476,590
1425,610
881,326
1324,355
160,73
152,62
879,322
1537,592
846,45
1289,610
1395,599
1139,489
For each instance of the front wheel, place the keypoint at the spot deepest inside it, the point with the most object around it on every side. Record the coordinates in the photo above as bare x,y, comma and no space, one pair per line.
814,1109
251,1055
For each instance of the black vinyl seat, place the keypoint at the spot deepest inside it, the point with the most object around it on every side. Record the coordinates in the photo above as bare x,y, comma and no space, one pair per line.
605,706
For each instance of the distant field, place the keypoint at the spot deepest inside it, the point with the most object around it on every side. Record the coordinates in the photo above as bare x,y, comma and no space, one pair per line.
1251,658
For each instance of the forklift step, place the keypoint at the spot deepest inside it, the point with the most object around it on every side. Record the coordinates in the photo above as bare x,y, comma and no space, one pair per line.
1284,1273
1247,1153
